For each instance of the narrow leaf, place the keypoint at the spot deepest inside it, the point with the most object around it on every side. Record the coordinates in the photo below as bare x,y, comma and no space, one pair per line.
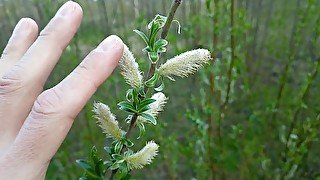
142,35
159,88
146,102
142,130
128,143
152,81
84,164
149,118
126,106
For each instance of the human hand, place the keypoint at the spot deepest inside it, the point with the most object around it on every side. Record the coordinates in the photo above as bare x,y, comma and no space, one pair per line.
33,123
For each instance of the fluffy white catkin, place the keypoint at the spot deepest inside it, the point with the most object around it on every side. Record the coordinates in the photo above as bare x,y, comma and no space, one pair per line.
184,64
107,121
143,157
155,107
130,69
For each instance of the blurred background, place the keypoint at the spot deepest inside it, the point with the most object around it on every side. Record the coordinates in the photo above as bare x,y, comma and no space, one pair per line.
253,113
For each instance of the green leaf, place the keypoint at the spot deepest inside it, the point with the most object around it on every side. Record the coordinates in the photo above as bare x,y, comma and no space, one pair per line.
160,45
143,109
155,28
149,118
144,105
108,164
153,80
153,56
117,157
84,164
123,170
97,161
179,26
142,130
128,119
158,19
93,151
162,50
114,166
127,176
118,147
151,23
159,88
146,102
94,155
128,143
99,167
161,42
129,95
128,152
141,92
147,49
93,169
171,78
143,36
91,176
108,150
126,106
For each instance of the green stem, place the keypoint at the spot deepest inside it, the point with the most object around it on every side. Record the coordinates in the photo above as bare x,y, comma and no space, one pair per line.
233,56
223,106
305,91
212,92
294,41
298,110
132,124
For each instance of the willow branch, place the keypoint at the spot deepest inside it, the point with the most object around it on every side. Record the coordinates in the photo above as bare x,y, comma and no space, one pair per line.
298,110
152,69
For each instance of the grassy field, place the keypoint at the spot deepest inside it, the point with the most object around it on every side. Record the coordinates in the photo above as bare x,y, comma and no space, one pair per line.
253,113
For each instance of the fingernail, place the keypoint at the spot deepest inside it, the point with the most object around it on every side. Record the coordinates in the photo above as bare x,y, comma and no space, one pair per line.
67,8
110,43
21,26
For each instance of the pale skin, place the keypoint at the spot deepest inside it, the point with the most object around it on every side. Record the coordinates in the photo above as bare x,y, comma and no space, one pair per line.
33,122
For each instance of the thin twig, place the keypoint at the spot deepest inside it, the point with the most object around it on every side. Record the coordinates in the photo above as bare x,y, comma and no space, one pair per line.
223,106
173,9
305,92
298,110
233,55
291,56
212,92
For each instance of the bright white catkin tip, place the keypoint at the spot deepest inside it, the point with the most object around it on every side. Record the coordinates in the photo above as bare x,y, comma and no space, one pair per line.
107,121
143,157
185,63
155,107
130,69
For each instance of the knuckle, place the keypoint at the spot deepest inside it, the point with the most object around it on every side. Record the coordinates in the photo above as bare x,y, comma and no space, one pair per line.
47,104
53,27
57,32
9,86
8,49
11,47
84,71
15,40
